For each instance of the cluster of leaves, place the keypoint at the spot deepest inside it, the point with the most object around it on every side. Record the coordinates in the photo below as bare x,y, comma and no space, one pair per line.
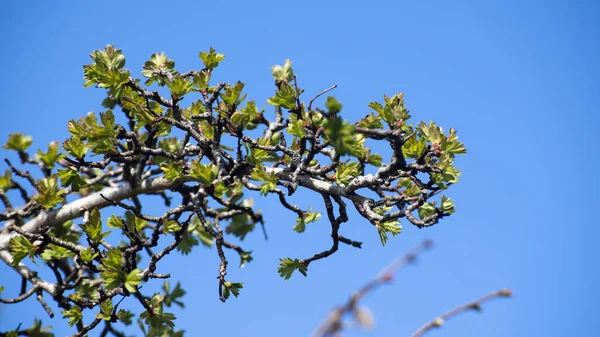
106,162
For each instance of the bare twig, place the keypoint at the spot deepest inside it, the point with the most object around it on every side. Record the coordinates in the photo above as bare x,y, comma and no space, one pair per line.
474,305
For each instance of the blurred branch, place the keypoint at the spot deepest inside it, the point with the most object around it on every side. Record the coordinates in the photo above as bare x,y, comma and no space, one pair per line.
333,325
474,305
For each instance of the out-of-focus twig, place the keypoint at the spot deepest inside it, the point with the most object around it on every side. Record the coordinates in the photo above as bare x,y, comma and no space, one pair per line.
333,325
474,305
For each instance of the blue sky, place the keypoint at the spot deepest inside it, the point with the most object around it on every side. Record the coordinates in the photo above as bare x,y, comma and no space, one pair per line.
517,80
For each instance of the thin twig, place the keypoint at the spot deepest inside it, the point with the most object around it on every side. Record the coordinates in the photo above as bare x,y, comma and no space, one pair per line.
319,95
474,305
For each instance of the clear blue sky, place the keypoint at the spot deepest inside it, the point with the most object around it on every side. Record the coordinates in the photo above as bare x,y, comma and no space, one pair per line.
518,80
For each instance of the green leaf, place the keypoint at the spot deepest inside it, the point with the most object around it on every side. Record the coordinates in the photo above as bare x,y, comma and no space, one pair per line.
283,73
205,174
285,97
201,80
105,71
157,318
307,217
180,86
75,147
296,128
451,145
113,275
70,177
132,280
172,171
392,227
287,267
332,105
245,257
114,222
240,226
232,95
134,224
371,121
93,228
211,58
260,174
51,156
394,111
19,248
341,136
87,254
74,315
447,205
49,194
156,68
426,210
37,331
232,288
345,172
171,297
54,252
171,226
246,116
18,142
125,316
106,310
6,181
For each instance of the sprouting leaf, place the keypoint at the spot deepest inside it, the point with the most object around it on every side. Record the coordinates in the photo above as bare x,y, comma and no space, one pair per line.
180,86
345,172
201,80
296,127
232,288
392,227
447,205
307,217
49,194
132,280
106,310
18,142
332,105
74,315
341,136
6,181
70,177
54,252
232,95
50,157
171,170
371,121
19,248
283,73
172,297
204,173
93,228
287,267
75,147
211,58
285,97
157,68
427,209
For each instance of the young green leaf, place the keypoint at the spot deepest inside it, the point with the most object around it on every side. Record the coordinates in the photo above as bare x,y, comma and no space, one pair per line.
49,194
18,142
232,288
211,58
19,247
287,267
